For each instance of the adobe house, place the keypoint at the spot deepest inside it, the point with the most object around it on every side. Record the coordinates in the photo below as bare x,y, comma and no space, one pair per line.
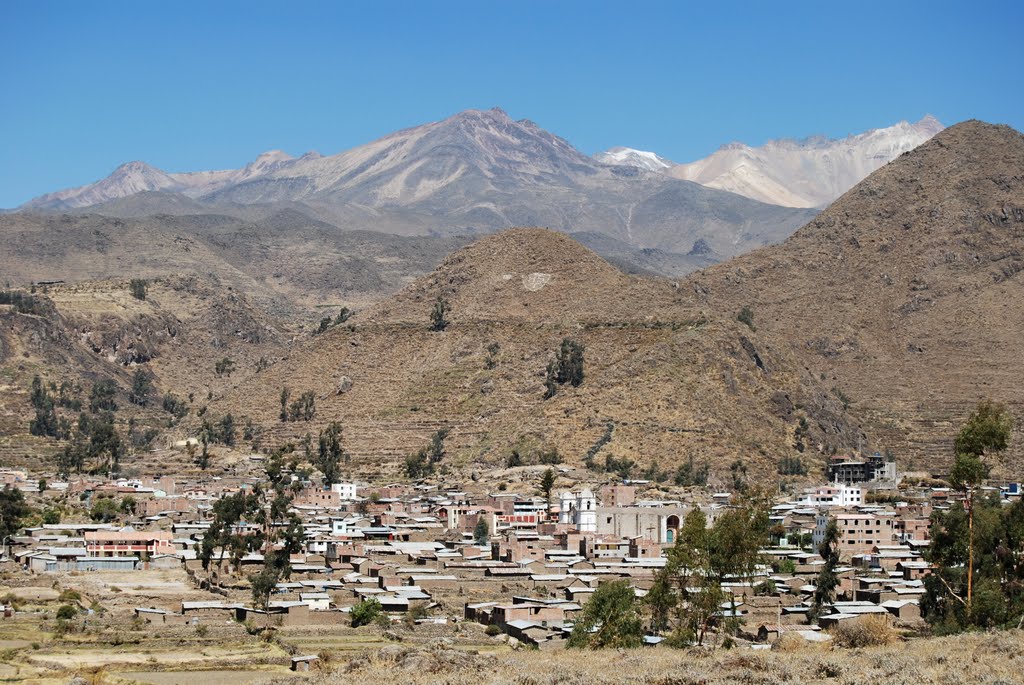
302,663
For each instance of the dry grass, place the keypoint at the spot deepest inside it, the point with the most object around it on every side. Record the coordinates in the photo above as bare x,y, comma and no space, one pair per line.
980,659
869,631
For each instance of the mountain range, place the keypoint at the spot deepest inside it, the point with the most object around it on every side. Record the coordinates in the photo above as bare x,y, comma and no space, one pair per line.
793,173
477,171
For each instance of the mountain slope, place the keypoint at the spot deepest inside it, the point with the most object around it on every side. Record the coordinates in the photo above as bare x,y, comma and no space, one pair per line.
670,379
906,293
808,173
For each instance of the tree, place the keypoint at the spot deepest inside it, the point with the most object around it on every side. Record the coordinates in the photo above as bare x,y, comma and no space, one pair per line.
45,423
302,409
984,436
549,457
688,474
128,505
828,581
142,385
105,445
738,470
547,484
365,612
12,510
998,584
137,287
102,396
417,466
567,367
263,584
482,532
609,619
104,510
423,462
330,454
687,594
286,393
439,314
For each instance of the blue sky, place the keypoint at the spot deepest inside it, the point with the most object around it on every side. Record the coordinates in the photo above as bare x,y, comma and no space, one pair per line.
203,85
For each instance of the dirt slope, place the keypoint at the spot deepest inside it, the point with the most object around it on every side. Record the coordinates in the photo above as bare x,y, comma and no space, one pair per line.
905,294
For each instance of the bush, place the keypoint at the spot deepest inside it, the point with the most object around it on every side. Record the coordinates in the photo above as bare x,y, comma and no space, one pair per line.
137,286
366,612
789,642
868,631
746,316
68,596
66,612
492,630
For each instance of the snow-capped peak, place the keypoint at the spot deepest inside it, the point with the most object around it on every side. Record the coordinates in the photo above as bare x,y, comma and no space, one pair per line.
625,156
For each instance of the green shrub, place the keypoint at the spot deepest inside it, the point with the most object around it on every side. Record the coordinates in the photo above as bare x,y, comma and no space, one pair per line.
66,612
366,612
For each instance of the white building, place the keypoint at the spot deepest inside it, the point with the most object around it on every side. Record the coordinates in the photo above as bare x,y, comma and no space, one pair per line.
579,510
346,491
835,495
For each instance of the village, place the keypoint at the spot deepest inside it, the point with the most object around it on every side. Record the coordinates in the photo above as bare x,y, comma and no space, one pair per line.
520,564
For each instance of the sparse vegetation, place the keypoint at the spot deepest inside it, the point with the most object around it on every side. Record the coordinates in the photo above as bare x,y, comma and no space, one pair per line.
491,360
224,366
689,474
792,466
22,302
606,437
423,462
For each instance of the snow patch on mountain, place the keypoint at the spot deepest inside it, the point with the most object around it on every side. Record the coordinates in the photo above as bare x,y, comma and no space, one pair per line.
625,156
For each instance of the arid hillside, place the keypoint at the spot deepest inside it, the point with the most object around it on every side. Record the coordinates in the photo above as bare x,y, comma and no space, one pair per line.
78,334
665,378
286,261
906,294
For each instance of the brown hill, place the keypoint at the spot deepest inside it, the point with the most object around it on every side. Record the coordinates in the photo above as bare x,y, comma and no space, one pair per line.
670,379
81,333
906,294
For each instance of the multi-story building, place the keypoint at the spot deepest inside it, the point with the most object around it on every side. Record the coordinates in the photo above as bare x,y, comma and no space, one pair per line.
129,543
860,533
857,469
838,495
